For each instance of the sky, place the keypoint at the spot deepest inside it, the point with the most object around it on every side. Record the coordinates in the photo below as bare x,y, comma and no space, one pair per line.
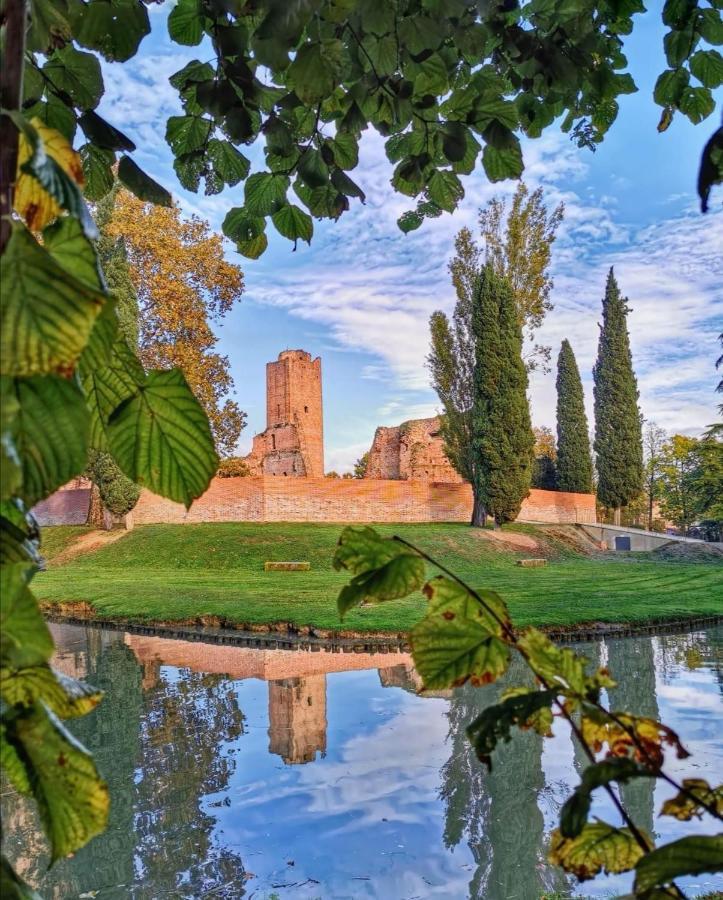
361,295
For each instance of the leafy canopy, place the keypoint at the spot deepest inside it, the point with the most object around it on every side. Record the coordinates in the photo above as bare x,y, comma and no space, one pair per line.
450,86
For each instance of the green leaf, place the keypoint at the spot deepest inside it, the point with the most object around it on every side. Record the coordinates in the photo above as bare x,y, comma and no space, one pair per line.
419,33
527,709
265,193
445,189
192,73
598,847
450,599
409,221
78,74
50,432
161,439
502,164
696,103
46,315
66,697
397,578
49,25
345,148
312,169
448,652
99,349
558,666
710,25
361,549
102,133
707,66
293,223
316,70
24,637
186,23
231,165
240,226
114,28
497,110
55,114
19,532
142,185
382,52
72,798
33,84
670,86
346,186
254,247
679,45
13,768
107,386
97,171
692,799
11,473
573,816
687,856
71,249
185,134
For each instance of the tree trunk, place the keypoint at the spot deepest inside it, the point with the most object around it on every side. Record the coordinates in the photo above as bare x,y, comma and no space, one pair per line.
616,516
650,511
479,513
95,507
496,523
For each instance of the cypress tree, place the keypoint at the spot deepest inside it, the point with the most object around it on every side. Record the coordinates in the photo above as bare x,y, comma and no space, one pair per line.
574,465
618,429
502,438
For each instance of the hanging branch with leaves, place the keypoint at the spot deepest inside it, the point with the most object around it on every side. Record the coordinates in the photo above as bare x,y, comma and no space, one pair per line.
467,635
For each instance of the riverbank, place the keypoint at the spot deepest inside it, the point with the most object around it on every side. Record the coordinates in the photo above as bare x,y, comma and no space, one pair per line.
214,575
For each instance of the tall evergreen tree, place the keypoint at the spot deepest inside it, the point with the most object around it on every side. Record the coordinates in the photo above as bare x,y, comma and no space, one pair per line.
502,437
618,427
574,464
478,373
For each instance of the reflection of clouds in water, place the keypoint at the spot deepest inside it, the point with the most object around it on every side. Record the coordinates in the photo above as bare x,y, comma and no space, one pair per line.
391,771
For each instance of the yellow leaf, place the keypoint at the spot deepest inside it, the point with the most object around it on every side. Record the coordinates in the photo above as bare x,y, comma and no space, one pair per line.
598,846
635,736
32,202
688,802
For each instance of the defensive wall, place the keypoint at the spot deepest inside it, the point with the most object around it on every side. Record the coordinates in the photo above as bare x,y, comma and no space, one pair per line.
274,499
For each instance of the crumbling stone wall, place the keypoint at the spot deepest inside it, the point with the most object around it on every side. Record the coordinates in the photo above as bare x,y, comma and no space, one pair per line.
412,451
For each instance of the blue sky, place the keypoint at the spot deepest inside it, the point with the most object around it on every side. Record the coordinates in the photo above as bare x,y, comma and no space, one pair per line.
361,295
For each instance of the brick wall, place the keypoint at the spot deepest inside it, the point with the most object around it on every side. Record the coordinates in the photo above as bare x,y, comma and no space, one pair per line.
413,451
279,499
68,506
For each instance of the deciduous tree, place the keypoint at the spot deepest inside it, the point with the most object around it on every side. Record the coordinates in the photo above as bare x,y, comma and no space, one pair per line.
678,490
518,245
574,464
544,469
618,430
183,284
654,438
361,465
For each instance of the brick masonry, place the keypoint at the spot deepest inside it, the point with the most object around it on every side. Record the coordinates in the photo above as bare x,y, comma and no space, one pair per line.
279,499
411,451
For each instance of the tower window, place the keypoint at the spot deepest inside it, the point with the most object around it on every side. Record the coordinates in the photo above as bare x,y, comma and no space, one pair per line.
278,409
306,409
273,441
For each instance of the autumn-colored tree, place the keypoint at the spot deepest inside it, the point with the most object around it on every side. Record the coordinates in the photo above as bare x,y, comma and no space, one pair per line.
183,284
544,469
518,245
654,438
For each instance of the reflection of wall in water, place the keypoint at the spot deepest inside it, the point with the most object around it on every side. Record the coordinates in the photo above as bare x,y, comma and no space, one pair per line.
406,677
297,718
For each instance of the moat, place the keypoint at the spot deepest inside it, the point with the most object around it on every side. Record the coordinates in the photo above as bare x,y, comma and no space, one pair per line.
240,772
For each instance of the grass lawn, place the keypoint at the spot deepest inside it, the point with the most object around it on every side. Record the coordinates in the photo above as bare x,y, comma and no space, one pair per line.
177,572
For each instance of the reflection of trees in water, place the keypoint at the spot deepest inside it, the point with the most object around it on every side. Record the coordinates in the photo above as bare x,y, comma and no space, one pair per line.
692,651
160,838
185,720
497,811
632,664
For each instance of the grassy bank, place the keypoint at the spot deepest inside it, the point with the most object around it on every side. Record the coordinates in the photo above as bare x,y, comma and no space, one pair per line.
174,573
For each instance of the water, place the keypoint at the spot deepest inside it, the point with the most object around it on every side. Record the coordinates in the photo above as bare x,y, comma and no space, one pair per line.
238,772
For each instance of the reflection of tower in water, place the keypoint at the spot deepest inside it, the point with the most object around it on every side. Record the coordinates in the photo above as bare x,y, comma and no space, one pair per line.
297,718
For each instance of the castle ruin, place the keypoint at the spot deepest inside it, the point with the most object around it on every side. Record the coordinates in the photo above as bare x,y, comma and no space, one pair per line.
412,451
292,443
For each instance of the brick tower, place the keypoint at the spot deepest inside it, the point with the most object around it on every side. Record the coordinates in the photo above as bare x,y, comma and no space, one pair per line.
293,442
